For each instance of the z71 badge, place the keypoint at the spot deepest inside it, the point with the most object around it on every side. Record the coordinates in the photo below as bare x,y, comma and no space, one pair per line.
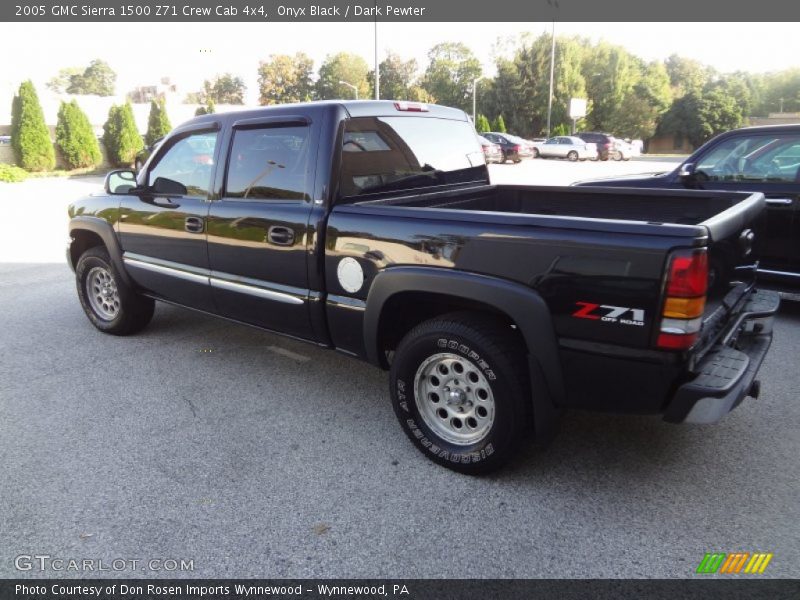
610,314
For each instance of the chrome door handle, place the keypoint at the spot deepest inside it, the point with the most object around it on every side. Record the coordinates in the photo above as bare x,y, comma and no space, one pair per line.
194,225
280,236
779,201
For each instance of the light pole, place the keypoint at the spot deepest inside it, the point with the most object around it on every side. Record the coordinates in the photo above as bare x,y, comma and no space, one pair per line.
552,71
474,95
351,86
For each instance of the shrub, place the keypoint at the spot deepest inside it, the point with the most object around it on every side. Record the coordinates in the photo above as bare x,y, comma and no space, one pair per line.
499,124
120,136
482,124
158,124
30,137
75,137
209,109
12,173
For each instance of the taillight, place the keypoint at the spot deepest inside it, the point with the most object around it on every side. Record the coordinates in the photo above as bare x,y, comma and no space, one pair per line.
411,106
687,285
516,148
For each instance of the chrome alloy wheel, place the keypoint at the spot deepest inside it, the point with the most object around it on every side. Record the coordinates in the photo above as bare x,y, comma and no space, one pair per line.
454,398
101,290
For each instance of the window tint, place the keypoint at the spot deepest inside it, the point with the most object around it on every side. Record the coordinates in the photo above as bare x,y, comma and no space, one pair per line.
268,164
382,154
189,161
767,158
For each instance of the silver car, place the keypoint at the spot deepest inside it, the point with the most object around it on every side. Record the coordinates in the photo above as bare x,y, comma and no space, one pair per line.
572,148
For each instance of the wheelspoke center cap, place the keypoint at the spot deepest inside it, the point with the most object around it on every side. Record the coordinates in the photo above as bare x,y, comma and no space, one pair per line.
455,395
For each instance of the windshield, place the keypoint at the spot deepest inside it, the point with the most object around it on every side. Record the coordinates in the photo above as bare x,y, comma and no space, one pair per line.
383,154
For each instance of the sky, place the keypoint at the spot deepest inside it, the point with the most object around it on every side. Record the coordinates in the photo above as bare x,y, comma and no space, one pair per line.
188,53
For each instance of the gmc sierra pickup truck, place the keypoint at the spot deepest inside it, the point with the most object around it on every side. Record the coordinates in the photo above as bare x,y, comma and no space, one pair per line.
372,228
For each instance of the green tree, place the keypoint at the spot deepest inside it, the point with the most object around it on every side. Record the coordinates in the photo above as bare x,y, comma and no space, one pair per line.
30,136
499,125
283,78
451,72
60,82
346,67
158,124
75,137
224,89
687,75
209,109
482,124
98,79
121,137
698,116
611,75
396,77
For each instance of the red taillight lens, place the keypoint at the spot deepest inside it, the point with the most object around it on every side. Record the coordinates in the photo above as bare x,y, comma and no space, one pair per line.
688,275
687,284
516,148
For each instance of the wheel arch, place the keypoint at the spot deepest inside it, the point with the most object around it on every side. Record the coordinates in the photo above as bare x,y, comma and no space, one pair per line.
519,304
87,232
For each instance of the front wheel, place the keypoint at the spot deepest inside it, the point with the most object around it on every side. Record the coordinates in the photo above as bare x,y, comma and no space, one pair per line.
618,156
111,305
459,389
572,156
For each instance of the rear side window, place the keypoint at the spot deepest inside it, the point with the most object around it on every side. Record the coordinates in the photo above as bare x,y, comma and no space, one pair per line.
268,164
382,154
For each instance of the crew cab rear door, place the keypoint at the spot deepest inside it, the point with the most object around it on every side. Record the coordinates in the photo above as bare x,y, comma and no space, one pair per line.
258,230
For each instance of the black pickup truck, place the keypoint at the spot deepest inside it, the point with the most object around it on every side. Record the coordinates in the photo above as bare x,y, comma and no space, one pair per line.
762,159
372,228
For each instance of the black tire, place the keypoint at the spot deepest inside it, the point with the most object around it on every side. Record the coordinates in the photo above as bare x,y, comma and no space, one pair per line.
572,155
490,355
131,311
535,153
517,161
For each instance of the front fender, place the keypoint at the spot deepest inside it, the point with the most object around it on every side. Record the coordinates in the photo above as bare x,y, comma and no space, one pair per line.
105,231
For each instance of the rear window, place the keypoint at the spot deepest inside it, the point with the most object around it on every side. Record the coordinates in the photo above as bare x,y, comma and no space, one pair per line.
386,154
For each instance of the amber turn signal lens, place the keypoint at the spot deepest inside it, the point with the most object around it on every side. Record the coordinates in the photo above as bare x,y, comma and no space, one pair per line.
684,308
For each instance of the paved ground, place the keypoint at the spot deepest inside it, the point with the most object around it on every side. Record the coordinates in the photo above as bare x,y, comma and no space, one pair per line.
258,456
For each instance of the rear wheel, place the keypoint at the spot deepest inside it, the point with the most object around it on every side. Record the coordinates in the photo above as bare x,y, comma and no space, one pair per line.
617,156
459,389
573,156
535,153
111,305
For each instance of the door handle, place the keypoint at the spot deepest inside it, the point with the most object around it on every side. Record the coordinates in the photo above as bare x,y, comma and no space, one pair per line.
194,225
779,201
280,236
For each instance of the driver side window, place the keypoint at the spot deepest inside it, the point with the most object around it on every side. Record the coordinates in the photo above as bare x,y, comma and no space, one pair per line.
189,162
764,158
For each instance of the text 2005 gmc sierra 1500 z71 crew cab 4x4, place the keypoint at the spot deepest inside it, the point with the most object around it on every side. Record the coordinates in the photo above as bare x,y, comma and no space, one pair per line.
372,228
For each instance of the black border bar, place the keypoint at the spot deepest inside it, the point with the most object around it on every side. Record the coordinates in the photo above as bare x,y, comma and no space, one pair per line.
400,11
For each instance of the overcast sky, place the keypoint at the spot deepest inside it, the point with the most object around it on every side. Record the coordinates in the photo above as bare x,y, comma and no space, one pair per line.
142,53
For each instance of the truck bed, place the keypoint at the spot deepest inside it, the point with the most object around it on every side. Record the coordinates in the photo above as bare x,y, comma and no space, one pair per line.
653,207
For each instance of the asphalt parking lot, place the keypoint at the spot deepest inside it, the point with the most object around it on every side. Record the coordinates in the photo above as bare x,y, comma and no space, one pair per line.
254,455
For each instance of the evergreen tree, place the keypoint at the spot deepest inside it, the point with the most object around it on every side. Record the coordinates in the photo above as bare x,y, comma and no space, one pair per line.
75,137
30,136
482,124
499,124
158,124
120,136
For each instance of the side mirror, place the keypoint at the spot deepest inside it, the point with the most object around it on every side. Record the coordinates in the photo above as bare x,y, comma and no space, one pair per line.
169,187
120,181
686,171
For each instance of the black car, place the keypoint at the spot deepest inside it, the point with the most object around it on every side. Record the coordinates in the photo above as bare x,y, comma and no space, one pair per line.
372,228
753,159
514,148
603,141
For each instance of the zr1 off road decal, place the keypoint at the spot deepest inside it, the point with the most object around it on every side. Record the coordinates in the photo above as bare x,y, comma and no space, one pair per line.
623,315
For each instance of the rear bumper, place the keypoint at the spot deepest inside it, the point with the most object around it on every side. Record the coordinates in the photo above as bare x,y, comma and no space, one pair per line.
727,374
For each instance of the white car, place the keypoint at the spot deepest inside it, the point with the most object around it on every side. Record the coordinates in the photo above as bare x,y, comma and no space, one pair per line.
572,148
624,150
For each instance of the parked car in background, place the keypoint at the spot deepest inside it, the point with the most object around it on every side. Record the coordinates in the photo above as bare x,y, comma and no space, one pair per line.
513,147
563,146
624,150
603,141
5,139
491,151
753,159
